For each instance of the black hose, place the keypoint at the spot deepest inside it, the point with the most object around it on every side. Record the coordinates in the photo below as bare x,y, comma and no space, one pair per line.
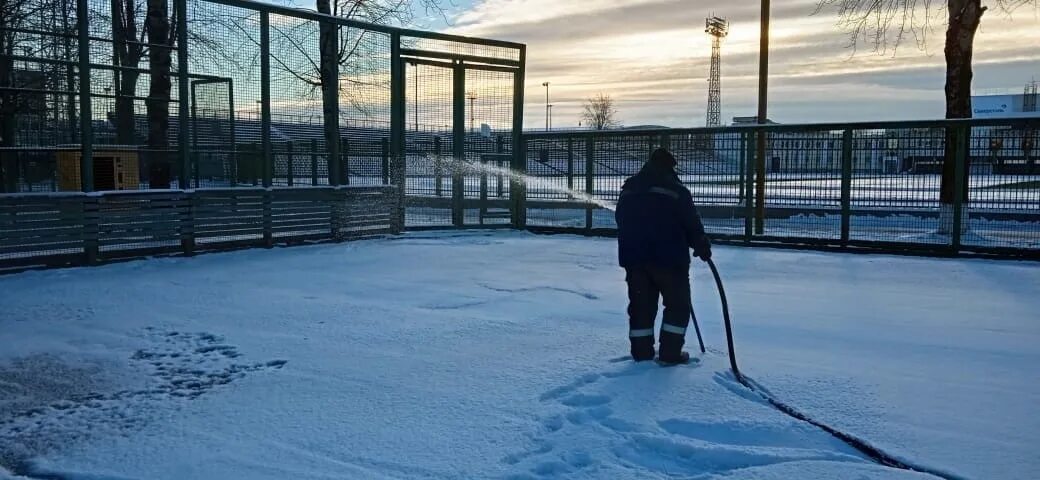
729,327
860,445
697,328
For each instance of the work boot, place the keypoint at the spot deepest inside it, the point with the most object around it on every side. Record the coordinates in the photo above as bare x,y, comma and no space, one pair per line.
643,349
671,359
643,356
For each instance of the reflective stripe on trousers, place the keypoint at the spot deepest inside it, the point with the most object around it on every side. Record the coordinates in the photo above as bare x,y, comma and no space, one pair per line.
643,332
673,329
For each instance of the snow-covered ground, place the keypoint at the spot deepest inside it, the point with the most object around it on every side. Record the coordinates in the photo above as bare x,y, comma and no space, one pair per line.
492,355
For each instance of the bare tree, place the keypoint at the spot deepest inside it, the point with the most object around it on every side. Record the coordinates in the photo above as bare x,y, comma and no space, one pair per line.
600,113
160,39
132,44
128,48
347,55
14,15
887,24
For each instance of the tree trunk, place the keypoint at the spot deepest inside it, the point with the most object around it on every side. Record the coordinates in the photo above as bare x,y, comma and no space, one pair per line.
329,52
125,121
960,38
70,54
158,103
124,29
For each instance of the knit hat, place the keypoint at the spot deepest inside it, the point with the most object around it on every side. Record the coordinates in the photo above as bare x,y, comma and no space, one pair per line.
662,158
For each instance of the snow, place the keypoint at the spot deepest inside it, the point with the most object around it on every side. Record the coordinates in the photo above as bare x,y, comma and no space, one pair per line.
499,355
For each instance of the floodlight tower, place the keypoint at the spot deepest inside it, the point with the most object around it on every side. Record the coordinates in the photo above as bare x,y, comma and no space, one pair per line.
718,28
1029,99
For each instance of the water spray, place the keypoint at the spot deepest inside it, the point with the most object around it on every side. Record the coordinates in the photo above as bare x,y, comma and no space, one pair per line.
466,167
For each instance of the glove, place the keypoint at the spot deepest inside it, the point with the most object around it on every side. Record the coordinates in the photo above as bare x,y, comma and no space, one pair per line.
703,249
704,253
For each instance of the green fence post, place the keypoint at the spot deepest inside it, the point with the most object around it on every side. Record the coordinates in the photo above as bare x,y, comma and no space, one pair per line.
267,220
518,190
518,187
500,148
458,144
398,167
742,166
86,156
846,185
760,180
570,165
256,163
438,167
345,161
289,173
483,188
194,133
749,186
314,161
265,98
233,167
590,177
959,154
385,144
187,224
184,152
90,212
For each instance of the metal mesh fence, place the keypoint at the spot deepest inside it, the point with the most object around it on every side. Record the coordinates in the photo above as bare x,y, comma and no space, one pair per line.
235,95
222,93
488,118
895,185
570,171
224,54
429,144
876,184
365,106
459,126
38,87
230,122
803,184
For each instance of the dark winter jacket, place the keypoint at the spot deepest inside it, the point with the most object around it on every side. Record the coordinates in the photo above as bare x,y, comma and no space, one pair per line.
657,221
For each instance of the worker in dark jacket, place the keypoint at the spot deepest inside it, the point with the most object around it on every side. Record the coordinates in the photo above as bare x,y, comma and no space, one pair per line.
657,225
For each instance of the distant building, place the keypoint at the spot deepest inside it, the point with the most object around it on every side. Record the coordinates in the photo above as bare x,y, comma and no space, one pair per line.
1021,105
738,121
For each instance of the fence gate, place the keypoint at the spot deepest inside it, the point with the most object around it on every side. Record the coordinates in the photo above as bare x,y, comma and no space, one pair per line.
463,109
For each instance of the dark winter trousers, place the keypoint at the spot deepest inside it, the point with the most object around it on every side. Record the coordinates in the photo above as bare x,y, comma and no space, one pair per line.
645,286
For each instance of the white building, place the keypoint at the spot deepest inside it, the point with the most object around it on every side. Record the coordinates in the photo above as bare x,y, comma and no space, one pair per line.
1020,105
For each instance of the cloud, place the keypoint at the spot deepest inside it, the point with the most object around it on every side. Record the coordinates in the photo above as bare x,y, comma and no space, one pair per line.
653,57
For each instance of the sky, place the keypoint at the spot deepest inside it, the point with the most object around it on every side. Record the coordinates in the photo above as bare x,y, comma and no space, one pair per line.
653,58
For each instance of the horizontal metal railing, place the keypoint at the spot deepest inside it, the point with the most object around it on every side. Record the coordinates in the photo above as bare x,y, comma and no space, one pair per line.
864,184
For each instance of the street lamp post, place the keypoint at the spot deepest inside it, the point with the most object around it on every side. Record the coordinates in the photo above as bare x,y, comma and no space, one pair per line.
547,107
471,96
760,150
550,116
416,100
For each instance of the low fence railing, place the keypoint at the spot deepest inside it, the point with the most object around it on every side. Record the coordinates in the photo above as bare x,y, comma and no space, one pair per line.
866,184
843,185
90,228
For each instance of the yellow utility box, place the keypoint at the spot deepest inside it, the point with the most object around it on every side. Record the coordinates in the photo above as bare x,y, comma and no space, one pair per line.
115,168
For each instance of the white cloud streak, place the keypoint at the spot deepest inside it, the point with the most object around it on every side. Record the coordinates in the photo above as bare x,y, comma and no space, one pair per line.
653,57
